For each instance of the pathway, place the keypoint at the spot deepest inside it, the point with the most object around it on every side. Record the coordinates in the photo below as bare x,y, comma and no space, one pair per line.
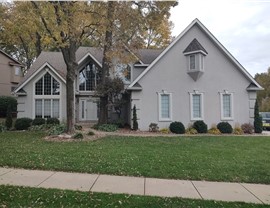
222,191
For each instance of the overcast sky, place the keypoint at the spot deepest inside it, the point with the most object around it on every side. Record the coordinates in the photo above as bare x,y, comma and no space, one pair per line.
242,26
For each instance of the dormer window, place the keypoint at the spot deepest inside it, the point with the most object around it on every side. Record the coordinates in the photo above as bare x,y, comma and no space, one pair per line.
195,54
192,62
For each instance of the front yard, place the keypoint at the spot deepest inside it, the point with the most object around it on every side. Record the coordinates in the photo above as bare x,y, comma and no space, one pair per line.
219,158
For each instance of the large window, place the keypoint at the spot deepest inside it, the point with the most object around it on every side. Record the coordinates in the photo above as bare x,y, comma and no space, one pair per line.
226,106
47,108
165,106
47,97
88,77
196,102
47,85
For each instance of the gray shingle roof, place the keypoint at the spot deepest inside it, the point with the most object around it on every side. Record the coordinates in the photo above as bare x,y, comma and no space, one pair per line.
56,60
147,56
194,46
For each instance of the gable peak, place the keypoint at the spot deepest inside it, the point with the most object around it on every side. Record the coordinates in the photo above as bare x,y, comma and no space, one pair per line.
194,46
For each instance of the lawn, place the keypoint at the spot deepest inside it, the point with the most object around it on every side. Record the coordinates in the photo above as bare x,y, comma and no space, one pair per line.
37,197
228,158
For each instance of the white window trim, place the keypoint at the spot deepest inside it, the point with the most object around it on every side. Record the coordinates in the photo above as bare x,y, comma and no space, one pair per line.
191,106
221,107
46,96
159,107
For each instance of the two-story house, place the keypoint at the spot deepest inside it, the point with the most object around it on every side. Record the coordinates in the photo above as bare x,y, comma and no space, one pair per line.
194,78
10,74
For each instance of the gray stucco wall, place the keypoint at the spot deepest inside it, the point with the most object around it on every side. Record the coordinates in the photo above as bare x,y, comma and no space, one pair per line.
170,74
26,106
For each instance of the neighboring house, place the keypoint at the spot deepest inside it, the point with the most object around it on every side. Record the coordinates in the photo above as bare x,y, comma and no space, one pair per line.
10,74
194,78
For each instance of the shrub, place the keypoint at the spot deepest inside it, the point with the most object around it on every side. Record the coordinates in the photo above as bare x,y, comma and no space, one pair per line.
42,127
78,127
77,136
134,119
153,127
5,101
214,130
107,127
164,131
119,122
52,121
57,129
200,126
38,121
247,128
191,130
90,133
23,123
8,122
2,128
225,128
258,127
177,127
238,131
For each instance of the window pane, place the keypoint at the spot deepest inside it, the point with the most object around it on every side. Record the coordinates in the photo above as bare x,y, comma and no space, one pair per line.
47,84
82,80
192,62
55,108
165,106
196,106
39,87
226,106
38,108
47,108
56,87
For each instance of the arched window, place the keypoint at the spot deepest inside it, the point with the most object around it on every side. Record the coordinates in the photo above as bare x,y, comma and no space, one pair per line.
47,85
88,77
47,97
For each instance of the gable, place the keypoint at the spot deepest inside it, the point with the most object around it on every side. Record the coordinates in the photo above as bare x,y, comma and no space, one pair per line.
188,46
45,66
10,59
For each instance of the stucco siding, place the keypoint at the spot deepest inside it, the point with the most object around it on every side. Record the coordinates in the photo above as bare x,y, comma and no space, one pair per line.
170,74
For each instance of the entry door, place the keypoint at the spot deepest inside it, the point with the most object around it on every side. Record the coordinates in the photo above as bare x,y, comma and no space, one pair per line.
88,110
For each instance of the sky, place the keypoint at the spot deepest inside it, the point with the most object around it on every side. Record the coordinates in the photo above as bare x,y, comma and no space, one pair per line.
242,26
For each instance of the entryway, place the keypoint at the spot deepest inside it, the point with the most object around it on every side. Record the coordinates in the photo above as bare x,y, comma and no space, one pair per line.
88,109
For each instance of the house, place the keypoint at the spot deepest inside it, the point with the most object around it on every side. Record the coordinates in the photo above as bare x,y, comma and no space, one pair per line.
10,74
194,78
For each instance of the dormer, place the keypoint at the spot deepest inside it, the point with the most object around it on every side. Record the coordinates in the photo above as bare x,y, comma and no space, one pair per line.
195,54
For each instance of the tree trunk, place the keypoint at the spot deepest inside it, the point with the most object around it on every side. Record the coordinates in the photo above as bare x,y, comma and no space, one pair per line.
69,54
106,62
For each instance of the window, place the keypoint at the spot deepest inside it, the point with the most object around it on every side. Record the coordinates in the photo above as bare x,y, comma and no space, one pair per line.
226,106
196,102
47,97
165,106
17,71
88,77
47,85
124,72
47,108
192,62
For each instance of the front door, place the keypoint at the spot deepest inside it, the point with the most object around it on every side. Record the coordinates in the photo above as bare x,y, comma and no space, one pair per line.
88,110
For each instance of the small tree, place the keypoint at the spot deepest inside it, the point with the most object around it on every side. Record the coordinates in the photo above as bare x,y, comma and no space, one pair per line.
8,122
257,119
135,122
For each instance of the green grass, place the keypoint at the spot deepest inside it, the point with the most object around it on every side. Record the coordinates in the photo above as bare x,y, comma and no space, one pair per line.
235,159
37,197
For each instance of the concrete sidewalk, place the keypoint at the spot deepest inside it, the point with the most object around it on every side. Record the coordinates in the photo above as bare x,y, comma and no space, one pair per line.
221,191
